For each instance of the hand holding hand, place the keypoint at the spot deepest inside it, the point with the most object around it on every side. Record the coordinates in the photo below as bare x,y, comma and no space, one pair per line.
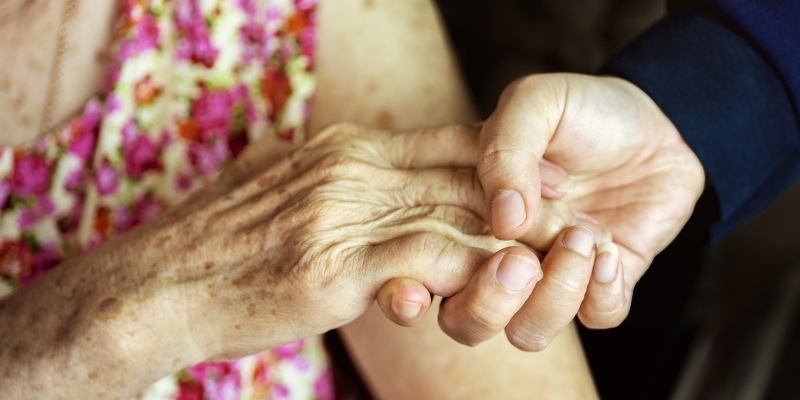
304,247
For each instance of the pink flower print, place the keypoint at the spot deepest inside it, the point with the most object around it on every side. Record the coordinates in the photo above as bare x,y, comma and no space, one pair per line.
113,103
143,209
44,259
288,351
190,390
187,15
323,386
204,52
280,392
5,192
254,41
148,208
241,96
145,37
248,6
75,180
147,32
273,12
221,380
307,43
31,175
106,179
213,113
82,145
28,217
237,143
139,152
305,4
69,223
16,259
183,182
125,219
92,114
301,363
195,42
207,158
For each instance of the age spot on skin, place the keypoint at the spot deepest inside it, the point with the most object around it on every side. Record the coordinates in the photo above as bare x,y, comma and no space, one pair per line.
385,119
107,305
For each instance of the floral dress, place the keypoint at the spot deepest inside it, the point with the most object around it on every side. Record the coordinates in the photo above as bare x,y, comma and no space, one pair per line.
191,83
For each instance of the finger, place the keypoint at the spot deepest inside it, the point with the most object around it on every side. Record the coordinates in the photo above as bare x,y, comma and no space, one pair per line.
441,265
461,188
492,296
446,146
404,301
558,296
512,141
606,303
554,217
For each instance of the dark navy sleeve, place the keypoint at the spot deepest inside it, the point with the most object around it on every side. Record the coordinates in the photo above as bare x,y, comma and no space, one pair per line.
728,76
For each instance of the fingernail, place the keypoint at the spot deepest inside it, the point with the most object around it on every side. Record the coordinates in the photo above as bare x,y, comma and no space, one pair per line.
508,210
515,272
605,269
580,239
405,309
601,234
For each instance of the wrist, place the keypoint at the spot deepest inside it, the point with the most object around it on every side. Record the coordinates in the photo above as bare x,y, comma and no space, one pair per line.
128,315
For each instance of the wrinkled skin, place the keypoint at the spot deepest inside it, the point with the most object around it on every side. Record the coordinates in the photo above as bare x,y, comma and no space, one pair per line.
255,260
304,247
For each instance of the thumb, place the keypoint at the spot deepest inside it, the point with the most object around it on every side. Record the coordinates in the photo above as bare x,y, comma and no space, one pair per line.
512,142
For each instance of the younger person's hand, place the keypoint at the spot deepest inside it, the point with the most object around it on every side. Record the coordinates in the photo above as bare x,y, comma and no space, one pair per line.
631,169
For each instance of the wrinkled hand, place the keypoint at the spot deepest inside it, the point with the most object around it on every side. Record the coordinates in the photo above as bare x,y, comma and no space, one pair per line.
629,168
304,247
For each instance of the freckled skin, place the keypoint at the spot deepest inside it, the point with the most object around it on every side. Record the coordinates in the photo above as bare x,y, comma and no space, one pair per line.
289,259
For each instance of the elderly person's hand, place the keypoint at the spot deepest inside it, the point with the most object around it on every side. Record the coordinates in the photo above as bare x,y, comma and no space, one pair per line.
630,170
249,264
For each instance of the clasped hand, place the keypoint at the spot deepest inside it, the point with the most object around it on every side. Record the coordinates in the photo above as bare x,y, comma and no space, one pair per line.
357,215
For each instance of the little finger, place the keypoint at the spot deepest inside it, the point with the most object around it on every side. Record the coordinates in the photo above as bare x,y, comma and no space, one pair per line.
606,304
404,301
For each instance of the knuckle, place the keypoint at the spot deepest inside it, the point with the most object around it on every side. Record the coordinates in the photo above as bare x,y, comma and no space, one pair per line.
567,287
496,160
339,164
485,319
454,330
336,131
527,340
602,319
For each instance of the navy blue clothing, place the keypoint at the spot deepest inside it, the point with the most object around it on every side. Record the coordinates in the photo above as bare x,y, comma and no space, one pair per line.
727,74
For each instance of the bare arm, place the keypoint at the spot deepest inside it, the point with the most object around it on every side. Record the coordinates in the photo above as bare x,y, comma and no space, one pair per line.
387,64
